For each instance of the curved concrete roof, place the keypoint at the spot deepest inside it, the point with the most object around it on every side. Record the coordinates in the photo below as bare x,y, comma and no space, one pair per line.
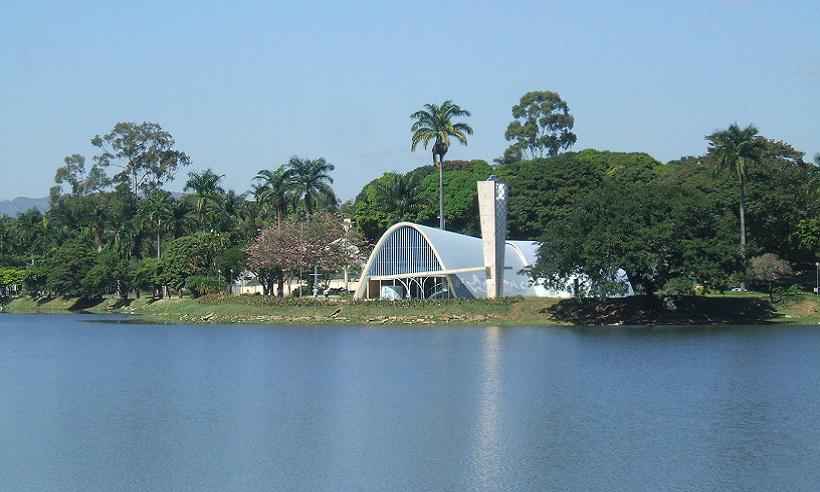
529,249
464,255
455,250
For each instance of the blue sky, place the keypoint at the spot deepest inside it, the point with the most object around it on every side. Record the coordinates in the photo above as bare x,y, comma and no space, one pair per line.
243,85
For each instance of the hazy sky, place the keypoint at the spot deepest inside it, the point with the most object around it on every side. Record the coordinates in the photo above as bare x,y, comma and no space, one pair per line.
243,85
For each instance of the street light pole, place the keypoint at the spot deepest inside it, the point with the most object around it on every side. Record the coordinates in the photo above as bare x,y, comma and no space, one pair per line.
817,288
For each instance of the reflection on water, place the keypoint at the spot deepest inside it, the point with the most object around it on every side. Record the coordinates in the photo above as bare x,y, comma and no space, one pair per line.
111,406
486,461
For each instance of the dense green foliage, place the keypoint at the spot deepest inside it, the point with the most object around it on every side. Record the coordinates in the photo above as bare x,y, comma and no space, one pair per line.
669,226
195,255
542,126
681,227
125,234
67,266
11,280
383,202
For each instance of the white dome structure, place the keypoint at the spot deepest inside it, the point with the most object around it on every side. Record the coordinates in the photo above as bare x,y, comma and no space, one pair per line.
420,262
416,261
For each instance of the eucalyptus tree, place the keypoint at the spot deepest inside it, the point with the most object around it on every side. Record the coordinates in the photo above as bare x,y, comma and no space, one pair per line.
207,191
736,148
276,191
542,125
158,211
435,124
145,154
81,181
312,184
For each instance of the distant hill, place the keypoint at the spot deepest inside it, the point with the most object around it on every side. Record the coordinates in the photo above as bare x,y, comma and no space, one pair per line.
19,205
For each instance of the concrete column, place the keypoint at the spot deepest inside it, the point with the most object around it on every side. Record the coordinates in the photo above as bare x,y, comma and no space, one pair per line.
492,206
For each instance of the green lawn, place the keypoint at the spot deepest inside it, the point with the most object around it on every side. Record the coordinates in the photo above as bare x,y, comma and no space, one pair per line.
746,308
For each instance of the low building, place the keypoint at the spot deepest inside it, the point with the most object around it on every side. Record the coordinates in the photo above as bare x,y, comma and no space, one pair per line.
248,284
416,261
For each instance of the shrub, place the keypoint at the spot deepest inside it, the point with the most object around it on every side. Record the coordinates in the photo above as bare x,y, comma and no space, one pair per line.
786,295
678,286
200,285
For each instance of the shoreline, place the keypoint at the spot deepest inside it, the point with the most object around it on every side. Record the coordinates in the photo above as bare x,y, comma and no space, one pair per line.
254,311
713,311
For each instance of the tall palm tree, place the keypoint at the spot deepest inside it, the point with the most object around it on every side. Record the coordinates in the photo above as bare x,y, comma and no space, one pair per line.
275,190
312,183
400,194
158,211
435,124
736,148
205,186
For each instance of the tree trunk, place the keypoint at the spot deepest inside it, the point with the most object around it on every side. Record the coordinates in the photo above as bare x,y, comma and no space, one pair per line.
121,292
441,223
280,286
98,237
743,227
158,242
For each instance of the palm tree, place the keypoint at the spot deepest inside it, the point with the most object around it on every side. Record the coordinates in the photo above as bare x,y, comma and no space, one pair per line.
180,218
227,211
205,186
247,219
98,215
312,183
435,124
158,210
736,148
400,194
275,190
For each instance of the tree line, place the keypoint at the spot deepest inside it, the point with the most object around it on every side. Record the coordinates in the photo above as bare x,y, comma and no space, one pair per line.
113,228
745,209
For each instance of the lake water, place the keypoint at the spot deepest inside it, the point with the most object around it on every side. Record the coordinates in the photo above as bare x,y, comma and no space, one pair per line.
93,404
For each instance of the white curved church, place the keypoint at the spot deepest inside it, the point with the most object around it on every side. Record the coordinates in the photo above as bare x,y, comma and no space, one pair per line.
412,260
420,262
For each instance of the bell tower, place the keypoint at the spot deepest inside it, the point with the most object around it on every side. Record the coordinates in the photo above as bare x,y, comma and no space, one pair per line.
492,207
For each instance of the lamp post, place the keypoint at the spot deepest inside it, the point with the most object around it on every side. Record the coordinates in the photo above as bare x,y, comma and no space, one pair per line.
817,283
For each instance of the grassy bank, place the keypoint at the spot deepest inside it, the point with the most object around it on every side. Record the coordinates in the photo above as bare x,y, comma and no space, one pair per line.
256,309
711,310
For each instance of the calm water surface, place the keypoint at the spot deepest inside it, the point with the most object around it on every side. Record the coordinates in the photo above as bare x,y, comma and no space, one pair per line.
108,406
